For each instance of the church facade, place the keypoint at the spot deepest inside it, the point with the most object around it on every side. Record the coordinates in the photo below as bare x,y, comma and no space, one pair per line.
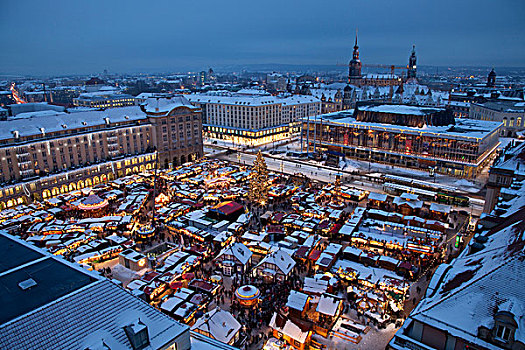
357,79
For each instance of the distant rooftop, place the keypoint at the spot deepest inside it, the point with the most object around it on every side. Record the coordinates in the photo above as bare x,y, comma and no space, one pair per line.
229,98
464,128
38,124
400,109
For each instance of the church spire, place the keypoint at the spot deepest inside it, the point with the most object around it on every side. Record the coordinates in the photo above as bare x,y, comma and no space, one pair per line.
355,54
354,67
412,64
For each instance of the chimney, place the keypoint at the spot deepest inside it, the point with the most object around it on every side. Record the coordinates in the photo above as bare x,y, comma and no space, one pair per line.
137,333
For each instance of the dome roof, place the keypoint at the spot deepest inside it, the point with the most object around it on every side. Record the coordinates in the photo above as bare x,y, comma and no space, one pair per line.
247,292
92,202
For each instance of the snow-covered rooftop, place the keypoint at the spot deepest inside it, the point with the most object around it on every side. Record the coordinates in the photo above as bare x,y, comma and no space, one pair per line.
165,105
297,300
328,305
281,259
92,307
39,124
250,100
400,109
239,251
220,324
463,129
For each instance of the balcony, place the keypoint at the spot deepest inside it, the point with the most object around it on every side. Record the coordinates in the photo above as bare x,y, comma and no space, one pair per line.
22,154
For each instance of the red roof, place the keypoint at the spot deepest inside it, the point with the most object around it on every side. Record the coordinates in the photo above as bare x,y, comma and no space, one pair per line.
228,208
150,276
314,255
202,285
274,229
278,217
302,251
335,228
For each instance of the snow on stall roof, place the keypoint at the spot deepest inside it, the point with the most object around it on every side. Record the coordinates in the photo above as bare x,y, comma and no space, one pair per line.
290,329
239,250
314,285
442,208
297,300
281,259
328,305
377,196
171,303
219,323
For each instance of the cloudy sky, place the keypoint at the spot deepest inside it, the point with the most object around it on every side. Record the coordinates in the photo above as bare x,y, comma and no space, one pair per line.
66,36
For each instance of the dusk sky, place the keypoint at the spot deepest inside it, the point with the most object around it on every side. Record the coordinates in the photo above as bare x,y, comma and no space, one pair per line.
65,37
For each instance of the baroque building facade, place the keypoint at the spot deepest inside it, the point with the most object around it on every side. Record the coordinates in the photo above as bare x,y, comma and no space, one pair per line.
43,156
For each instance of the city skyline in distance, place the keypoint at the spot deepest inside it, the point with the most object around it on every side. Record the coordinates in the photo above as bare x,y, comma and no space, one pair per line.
83,38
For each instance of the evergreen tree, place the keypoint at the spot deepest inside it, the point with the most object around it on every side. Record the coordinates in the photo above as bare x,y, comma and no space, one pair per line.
259,182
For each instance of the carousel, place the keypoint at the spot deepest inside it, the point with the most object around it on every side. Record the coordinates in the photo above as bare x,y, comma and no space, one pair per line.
93,205
247,295
145,231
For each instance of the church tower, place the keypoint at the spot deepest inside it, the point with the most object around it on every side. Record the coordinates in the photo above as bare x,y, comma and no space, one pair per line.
491,80
412,60
354,67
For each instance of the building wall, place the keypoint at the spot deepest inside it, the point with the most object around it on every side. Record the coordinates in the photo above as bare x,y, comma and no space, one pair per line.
512,121
61,161
53,185
104,103
177,136
244,117
448,155
53,152
246,123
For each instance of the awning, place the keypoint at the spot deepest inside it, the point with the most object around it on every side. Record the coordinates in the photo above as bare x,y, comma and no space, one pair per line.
269,272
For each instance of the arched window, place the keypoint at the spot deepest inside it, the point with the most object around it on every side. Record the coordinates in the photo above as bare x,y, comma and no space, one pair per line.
518,122
511,122
504,121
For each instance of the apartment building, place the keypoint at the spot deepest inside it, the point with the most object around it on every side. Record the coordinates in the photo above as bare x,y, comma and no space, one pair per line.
253,119
59,151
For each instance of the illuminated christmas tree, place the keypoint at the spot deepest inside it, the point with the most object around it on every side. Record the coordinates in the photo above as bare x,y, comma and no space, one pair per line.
259,182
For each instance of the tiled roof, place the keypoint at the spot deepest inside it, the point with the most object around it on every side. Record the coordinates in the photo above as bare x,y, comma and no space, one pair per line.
83,318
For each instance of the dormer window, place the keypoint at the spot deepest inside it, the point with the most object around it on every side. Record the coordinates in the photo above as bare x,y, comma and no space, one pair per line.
503,333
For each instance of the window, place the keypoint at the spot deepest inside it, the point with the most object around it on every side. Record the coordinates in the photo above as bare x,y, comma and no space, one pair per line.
503,333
